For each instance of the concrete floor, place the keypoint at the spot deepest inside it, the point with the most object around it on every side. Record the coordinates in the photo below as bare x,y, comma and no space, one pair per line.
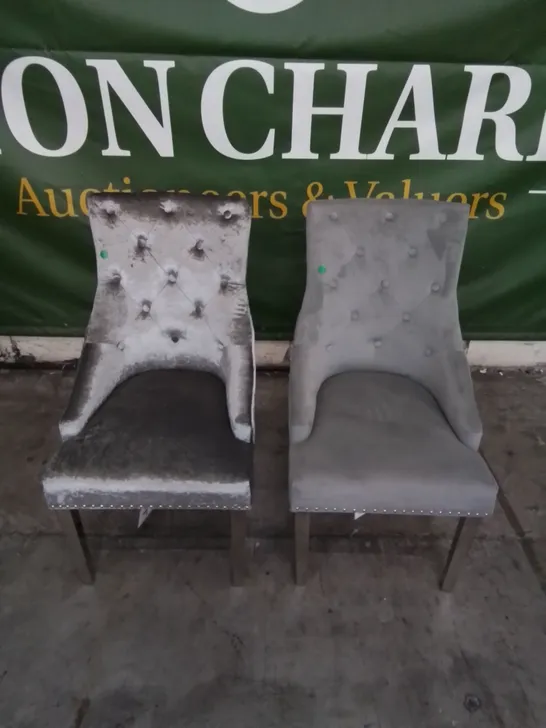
163,641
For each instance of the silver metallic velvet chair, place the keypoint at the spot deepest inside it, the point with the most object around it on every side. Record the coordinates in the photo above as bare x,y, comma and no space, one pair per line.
161,415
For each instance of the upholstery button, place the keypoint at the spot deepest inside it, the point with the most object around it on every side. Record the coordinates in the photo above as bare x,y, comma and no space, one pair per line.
384,285
360,251
412,252
227,214
142,241
328,347
115,277
377,342
198,309
110,208
169,207
389,216
146,307
197,250
355,315
435,287
172,276
406,317
333,216
121,345
428,352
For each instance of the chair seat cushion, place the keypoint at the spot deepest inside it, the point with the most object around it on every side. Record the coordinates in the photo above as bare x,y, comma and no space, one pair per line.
380,444
162,440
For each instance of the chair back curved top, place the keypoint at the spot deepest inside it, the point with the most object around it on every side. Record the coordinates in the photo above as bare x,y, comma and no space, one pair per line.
171,293
381,295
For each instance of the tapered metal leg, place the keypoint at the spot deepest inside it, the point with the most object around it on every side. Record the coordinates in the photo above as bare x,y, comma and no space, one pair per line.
71,524
462,541
238,548
302,524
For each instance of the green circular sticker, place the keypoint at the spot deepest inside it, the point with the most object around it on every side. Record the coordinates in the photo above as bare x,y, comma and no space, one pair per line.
322,269
103,254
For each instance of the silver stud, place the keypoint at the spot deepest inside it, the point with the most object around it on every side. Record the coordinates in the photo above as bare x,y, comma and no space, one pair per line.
377,343
375,510
333,216
412,252
406,318
389,216
435,287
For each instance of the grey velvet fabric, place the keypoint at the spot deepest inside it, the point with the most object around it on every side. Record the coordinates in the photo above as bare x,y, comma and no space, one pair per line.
162,439
381,296
381,444
171,294
382,410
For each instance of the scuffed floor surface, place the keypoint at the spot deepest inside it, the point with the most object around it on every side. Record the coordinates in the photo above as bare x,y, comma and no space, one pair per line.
163,641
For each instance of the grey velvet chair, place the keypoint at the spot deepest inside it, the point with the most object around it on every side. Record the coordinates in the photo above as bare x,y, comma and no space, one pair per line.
161,415
382,411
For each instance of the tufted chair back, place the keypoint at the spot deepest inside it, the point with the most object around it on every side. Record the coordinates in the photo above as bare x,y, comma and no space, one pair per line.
171,293
381,295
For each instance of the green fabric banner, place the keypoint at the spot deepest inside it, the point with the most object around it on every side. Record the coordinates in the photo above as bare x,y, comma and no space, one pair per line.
280,102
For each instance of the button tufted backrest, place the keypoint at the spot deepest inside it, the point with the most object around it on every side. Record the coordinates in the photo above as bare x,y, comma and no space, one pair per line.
381,295
171,293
